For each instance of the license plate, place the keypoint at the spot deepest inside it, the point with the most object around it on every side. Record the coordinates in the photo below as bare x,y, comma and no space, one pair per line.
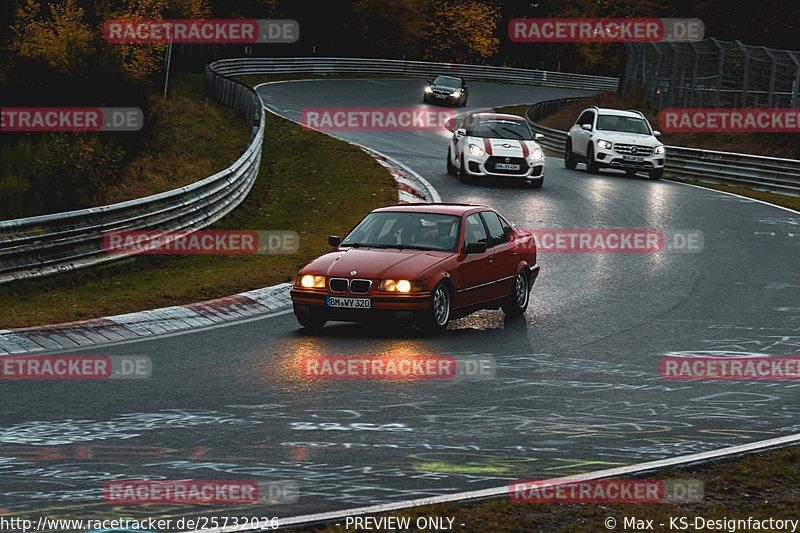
506,166
440,95
632,158
349,303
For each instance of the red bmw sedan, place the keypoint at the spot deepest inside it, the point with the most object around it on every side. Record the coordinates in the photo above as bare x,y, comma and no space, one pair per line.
426,263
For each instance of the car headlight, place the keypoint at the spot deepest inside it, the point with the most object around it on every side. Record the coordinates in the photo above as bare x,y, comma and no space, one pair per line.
428,89
474,149
400,285
605,145
455,93
660,149
536,153
311,282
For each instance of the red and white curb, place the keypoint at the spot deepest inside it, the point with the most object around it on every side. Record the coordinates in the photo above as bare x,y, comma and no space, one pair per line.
145,323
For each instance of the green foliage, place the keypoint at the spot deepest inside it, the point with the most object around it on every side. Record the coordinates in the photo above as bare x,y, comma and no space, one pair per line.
60,172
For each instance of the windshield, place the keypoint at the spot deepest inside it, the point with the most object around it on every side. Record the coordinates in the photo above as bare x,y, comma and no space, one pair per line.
447,81
401,229
623,124
502,129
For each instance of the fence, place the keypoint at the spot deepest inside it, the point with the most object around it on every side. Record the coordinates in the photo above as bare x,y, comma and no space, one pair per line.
711,73
767,173
410,69
49,244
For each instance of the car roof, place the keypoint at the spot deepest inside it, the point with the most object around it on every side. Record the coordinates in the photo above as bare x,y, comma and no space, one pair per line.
499,116
617,112
440,207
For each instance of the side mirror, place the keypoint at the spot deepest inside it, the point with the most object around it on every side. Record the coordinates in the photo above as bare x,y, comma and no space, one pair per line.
475,248
461,131
656,133
334,240
538,136
587,127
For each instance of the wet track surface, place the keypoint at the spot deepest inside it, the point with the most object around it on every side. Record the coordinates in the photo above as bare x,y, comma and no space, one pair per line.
577,386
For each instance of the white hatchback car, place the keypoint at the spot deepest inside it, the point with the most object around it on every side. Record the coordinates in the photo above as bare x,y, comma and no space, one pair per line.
612,138
495,145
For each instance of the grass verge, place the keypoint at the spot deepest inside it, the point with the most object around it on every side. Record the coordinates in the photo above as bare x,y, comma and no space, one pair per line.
763,486
308,182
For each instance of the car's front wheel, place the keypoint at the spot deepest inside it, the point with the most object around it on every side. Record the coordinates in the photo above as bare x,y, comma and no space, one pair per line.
438,316
656,173
569,156
451,168
462,172
591,164
517,301
311,320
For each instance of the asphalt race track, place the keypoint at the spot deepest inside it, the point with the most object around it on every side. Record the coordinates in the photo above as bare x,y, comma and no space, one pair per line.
577,386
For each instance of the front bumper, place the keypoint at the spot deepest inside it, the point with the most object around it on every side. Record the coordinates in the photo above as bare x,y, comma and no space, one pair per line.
612,159
399,307
443,98
486,165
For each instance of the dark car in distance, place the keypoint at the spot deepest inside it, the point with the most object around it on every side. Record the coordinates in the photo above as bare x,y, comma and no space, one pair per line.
446,90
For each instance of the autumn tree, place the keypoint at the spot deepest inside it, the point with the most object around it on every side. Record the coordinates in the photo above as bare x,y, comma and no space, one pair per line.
462,31
54,32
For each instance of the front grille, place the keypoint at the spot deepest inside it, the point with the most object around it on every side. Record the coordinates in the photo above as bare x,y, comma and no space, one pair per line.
338,284
523,165
360,286
440,92
633,149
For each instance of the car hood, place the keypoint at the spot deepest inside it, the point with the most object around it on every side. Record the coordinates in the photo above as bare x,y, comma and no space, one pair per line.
375,263
505,147
641,139
445,87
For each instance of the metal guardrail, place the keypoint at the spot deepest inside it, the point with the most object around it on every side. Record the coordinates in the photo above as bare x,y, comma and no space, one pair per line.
753,171
48,244
410,69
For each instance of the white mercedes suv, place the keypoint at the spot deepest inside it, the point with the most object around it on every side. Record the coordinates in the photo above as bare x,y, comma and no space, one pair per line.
612,138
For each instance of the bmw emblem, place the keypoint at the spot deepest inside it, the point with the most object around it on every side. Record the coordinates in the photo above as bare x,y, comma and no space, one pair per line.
353,272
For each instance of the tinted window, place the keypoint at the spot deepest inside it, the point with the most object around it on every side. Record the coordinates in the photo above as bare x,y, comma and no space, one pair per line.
497,235
474,230
624,124
392,229
501,129
447,81
586,118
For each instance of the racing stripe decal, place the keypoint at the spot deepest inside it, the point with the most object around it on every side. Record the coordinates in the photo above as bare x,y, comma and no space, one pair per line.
487,145
524,148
